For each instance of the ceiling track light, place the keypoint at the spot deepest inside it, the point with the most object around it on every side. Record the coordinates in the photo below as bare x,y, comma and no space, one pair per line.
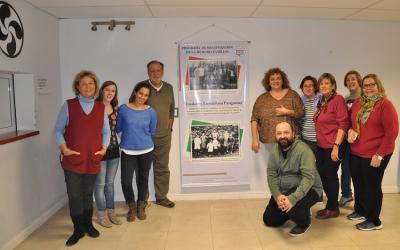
112,24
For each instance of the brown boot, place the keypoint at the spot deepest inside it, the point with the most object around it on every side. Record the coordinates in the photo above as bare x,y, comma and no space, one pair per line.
132,212
141,206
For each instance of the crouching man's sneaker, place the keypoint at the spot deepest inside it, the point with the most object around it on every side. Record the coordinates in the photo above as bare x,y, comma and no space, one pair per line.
368,226
298,231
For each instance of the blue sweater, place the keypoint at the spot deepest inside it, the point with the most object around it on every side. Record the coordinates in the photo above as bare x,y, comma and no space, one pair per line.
138,127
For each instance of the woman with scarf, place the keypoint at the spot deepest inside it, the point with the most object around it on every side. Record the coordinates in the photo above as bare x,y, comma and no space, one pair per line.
331,122
374,129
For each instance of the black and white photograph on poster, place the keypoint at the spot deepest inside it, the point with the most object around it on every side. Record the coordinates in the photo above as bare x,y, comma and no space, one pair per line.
215,141
213,74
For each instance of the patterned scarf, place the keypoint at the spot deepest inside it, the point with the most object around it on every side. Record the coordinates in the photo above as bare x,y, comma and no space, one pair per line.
367,106
323,103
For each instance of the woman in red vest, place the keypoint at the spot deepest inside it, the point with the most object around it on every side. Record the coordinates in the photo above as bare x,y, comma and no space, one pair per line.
82,132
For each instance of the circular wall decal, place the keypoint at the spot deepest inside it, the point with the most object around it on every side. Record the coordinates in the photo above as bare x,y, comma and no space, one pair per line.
11,30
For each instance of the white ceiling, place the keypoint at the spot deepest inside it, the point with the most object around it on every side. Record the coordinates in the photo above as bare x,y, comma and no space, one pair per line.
374,10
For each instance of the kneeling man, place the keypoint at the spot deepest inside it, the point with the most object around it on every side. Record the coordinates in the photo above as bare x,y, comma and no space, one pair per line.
293,180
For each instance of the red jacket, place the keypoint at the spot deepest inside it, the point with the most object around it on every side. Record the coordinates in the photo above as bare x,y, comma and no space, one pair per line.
377,136
330,120
83,134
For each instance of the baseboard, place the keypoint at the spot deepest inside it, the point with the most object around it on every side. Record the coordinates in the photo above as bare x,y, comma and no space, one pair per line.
390,189
220,196
14,242
237,195
211,196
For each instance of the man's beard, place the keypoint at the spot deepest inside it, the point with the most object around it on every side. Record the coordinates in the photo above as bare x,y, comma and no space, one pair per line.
285,143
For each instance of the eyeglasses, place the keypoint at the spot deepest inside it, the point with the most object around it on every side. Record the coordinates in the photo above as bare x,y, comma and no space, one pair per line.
369,86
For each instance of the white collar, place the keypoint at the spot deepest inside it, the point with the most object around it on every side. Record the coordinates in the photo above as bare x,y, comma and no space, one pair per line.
158,89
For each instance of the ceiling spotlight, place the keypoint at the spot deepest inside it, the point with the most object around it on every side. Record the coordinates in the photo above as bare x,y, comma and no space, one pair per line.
112,25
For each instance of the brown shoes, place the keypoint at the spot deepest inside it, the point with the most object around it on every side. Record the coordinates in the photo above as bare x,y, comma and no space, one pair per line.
165,203
327,214
132,212
141,210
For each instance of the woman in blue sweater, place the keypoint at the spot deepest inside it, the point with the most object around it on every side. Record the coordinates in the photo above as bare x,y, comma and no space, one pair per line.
137,124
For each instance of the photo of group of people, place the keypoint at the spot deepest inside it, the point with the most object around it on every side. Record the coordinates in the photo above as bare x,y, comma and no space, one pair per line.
213,74
211,141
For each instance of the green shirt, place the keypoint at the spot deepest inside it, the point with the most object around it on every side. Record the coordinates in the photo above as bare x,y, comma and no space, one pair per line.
164,104
294,175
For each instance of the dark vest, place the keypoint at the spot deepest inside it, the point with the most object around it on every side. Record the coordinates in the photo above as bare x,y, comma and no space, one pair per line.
84,135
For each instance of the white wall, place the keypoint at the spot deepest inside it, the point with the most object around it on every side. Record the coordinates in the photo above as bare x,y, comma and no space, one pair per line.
299,47
31,181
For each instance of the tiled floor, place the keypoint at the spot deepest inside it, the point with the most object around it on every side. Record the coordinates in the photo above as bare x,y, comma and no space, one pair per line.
221,224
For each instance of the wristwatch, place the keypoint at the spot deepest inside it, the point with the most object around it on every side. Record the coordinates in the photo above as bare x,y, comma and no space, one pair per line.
379,157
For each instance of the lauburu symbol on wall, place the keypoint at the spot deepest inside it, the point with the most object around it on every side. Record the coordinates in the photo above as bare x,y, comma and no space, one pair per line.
11,30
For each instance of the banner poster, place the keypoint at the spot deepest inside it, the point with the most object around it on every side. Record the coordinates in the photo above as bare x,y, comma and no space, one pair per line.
213,114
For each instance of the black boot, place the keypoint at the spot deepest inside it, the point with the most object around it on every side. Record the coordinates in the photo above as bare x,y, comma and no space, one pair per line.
88,226
78,231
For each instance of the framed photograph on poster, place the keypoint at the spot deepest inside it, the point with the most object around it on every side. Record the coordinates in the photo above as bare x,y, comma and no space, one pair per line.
215,142
213,74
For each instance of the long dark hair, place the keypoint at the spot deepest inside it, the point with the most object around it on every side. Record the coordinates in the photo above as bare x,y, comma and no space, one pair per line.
114,101
138,86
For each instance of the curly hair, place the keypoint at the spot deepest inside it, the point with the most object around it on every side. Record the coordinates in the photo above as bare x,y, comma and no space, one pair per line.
273,71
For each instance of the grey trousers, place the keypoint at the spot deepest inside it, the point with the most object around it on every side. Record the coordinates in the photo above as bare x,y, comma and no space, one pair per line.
161,150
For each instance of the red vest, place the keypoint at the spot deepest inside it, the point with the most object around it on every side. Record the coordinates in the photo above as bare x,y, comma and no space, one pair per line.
84,135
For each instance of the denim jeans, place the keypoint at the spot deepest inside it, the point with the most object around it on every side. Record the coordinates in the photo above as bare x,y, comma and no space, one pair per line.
80,192
140,165
345,179
104,189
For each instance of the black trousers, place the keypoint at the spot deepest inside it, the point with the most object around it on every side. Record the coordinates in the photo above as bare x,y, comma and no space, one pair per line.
80,192
300,213
367,182
327,170
140,165
312,144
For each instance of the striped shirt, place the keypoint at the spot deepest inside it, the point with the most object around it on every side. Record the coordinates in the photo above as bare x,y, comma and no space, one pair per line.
308,128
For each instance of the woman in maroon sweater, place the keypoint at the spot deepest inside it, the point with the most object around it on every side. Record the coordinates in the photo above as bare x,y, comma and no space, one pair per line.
374,129
331,122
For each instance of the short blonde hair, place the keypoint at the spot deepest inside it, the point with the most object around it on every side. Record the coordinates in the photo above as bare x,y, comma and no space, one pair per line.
331,79
377,81
78,78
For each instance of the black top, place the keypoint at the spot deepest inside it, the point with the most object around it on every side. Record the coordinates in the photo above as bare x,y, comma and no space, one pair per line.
113,147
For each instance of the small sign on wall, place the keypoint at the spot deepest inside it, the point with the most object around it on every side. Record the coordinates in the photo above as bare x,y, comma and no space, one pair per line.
43,86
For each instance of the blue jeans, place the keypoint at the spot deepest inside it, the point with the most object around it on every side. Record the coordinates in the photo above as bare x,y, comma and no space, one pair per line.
345,179
104,189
